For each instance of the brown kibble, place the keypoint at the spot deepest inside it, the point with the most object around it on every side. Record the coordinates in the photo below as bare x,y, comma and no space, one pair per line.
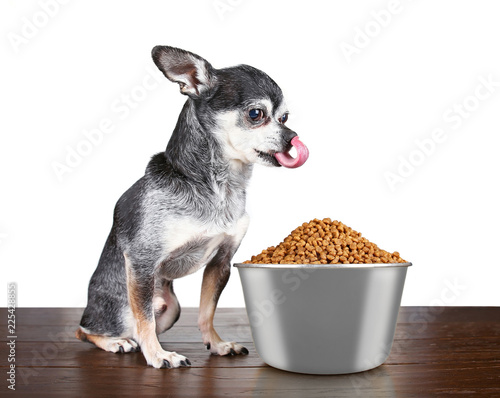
325,242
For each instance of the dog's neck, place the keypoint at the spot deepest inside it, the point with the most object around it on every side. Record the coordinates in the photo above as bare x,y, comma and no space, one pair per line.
194,152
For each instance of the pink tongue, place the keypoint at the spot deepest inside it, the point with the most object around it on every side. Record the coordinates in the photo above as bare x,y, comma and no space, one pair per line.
286,160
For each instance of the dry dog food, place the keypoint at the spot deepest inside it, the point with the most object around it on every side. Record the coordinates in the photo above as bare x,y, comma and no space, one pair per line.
325,242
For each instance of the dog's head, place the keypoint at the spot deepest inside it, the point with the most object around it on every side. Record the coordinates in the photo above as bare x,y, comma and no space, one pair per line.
242,105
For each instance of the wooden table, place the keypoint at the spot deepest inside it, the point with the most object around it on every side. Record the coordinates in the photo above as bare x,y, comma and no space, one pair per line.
448,351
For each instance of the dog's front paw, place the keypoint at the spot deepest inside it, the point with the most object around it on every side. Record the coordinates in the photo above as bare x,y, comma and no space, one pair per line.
167,359
226,348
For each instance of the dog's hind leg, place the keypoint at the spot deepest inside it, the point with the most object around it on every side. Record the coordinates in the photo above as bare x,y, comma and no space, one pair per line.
215,278
107,321
166,306
111,344
140,286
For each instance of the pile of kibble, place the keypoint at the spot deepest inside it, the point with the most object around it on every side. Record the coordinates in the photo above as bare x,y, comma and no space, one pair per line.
325,242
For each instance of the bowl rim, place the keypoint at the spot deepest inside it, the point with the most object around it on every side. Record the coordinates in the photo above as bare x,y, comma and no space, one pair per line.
322,266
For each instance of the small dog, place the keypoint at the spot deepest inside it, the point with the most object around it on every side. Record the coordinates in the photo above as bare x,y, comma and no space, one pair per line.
187,211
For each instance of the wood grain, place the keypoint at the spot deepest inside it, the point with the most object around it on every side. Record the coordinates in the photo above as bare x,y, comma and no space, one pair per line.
449,351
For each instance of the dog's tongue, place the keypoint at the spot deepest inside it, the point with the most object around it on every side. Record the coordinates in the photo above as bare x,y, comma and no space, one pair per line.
286,160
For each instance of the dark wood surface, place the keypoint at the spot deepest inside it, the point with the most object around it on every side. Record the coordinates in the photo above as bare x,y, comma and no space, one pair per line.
437,351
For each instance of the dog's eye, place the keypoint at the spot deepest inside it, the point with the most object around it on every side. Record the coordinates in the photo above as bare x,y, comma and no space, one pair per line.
284,118
256,114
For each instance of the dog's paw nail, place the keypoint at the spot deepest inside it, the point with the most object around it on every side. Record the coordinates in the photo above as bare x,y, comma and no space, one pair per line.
183,363
244,351
122,351
208,346
232,352
166,364
188,362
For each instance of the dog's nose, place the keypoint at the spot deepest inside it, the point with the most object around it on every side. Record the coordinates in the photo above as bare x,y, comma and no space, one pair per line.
288,135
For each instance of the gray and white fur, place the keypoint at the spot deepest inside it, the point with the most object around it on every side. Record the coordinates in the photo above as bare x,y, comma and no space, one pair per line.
187,211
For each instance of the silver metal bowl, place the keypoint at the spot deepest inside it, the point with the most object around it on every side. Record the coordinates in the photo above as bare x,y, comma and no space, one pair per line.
323,319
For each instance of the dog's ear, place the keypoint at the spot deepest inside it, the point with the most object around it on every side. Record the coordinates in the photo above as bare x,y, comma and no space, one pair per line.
193,73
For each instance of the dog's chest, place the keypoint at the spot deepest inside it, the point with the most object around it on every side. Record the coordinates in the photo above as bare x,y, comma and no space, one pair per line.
191,244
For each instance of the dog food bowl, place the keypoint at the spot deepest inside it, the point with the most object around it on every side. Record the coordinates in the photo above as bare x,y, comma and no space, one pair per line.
323,319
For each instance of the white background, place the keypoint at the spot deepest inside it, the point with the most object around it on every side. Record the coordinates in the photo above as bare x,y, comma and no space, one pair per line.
360,116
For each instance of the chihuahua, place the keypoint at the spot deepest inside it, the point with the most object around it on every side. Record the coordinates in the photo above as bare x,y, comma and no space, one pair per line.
187,211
